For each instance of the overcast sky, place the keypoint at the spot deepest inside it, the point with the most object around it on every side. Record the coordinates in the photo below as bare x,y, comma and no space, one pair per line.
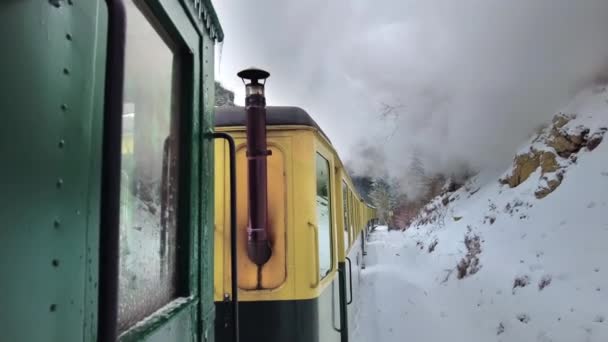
469,79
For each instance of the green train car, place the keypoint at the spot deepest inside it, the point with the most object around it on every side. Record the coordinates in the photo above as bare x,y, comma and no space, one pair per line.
106,186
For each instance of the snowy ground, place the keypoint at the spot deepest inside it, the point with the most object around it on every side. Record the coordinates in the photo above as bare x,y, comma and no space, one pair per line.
536,269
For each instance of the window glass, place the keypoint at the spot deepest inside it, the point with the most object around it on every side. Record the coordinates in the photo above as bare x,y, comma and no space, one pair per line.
149,178
352,213
324,216
345,208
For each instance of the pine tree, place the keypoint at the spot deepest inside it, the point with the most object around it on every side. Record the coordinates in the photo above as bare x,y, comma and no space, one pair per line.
384,196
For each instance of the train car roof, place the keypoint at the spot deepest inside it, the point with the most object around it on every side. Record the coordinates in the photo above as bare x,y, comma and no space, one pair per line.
233,116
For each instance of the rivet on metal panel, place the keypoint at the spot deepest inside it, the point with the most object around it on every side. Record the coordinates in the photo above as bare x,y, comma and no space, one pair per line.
70,2
56,3
53,307
55,263
59,183
66,71
56,223
64,107
68,36
61,143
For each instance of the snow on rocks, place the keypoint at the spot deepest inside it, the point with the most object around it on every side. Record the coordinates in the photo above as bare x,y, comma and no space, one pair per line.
532,266
556,147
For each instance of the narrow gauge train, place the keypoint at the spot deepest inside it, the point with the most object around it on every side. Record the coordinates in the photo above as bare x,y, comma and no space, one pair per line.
106,197
300,226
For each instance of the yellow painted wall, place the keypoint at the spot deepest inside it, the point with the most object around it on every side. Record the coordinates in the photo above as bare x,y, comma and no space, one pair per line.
292,272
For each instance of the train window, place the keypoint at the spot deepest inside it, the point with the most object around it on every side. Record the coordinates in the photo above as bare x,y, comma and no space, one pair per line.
148,277
324,216
345,206
352,214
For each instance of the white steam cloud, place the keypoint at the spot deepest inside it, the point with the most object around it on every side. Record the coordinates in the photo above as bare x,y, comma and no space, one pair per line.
458,82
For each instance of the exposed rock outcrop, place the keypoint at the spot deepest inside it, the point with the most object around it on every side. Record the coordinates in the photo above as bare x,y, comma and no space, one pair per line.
223,96
552,151
526,164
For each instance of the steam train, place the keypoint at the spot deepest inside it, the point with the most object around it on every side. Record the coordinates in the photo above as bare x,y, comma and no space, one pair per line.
129,212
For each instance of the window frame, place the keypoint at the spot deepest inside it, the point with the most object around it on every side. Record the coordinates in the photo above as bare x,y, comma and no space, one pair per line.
351,227
345,208
173,25
331,232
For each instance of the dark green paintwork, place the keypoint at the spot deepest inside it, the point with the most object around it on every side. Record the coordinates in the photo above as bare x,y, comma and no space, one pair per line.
51,103
207,191
49,172
175,324
191,321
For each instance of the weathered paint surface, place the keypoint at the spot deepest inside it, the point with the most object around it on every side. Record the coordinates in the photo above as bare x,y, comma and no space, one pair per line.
191,321
52,98
52,89
207,191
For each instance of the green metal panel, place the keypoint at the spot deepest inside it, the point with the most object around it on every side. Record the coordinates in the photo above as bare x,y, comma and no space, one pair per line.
180,329
51,98
176,323
92,243
204,16
52,83
208,308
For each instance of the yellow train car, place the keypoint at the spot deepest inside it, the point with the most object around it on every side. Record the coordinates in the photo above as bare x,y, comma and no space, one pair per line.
317,223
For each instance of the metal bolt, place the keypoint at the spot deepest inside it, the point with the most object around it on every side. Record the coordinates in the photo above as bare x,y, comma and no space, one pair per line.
59,182
66,71
56,223
61,143
55,263
53,307
68,36
64,107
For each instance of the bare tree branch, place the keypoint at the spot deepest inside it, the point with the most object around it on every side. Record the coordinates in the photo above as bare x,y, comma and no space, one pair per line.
390,111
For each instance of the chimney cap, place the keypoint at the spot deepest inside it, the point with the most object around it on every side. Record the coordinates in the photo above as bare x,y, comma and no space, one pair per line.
253,74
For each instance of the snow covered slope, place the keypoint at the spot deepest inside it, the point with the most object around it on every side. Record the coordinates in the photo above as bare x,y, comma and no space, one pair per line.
519,256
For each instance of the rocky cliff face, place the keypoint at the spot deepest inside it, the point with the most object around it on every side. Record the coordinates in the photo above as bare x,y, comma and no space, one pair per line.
223,96
552,151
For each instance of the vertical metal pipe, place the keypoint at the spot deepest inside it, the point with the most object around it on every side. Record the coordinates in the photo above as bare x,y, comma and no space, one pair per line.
258,246
109,229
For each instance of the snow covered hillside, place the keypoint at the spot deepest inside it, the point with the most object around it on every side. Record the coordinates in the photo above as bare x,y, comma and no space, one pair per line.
519,256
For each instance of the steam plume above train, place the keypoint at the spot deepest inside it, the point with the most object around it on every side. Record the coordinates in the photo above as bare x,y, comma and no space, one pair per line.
456,83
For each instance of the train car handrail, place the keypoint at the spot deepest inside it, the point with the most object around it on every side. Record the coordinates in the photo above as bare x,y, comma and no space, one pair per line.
233,232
